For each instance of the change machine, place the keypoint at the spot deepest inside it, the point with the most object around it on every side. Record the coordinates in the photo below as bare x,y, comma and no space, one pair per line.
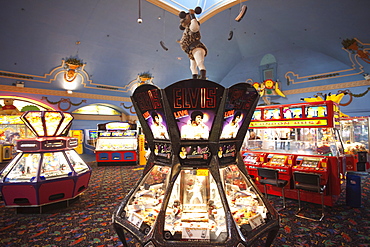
46,169
195,190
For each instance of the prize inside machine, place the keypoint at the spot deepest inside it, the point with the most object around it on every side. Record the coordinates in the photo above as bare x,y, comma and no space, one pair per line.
46,169
302,137
116,144
195,187
12,128
355,134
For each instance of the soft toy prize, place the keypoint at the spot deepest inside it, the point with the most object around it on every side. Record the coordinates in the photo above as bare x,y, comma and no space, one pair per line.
9,108
190,42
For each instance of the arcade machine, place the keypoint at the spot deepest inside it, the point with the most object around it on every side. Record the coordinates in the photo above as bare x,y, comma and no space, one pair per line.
252,161
91,135
12,128
116,144
46,169
301,137
355,134
195,190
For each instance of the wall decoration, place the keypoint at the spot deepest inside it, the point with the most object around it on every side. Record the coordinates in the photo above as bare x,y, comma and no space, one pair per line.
268,88
63,101
355,49
130,108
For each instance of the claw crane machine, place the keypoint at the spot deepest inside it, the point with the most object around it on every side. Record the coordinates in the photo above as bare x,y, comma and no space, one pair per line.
46,169
195,190
355,134
302,137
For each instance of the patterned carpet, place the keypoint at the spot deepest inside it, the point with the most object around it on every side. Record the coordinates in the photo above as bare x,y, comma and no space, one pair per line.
87,221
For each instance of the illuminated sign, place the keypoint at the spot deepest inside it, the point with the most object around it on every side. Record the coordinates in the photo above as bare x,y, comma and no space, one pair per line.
117,126
290,123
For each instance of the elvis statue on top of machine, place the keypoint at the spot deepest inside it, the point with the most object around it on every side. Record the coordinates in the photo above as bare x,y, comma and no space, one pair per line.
195,187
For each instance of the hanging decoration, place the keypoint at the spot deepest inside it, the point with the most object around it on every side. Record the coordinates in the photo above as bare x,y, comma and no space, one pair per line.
71,65
145,77
62,101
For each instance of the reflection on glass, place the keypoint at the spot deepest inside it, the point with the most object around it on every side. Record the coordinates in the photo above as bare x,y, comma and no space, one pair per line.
34,119
77,163
195,210
116,143
52,120
144,205
311,141
246,206
24,169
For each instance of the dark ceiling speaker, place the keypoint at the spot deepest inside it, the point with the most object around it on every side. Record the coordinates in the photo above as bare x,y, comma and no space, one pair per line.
163,46
241,14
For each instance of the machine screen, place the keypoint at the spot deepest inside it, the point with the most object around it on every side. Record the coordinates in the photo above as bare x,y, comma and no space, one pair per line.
278,160
310,162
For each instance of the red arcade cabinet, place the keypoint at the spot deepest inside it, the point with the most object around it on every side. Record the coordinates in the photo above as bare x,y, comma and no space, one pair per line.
116,144
299,137
47,169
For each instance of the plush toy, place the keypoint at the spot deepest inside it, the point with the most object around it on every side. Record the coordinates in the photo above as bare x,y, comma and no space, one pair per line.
190,42
9,108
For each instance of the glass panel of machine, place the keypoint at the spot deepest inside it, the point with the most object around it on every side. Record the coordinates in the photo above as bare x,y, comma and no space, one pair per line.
272,114
25,169
67,119
195,210
54,165
145,203
316,111
292,112
257,115
52,121
311,141
116,143
77,163
246,207
34,122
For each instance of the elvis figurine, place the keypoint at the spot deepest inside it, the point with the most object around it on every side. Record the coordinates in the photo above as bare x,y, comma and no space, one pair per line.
190,42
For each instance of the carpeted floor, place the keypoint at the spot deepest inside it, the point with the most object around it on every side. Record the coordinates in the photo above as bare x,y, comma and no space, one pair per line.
87,221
